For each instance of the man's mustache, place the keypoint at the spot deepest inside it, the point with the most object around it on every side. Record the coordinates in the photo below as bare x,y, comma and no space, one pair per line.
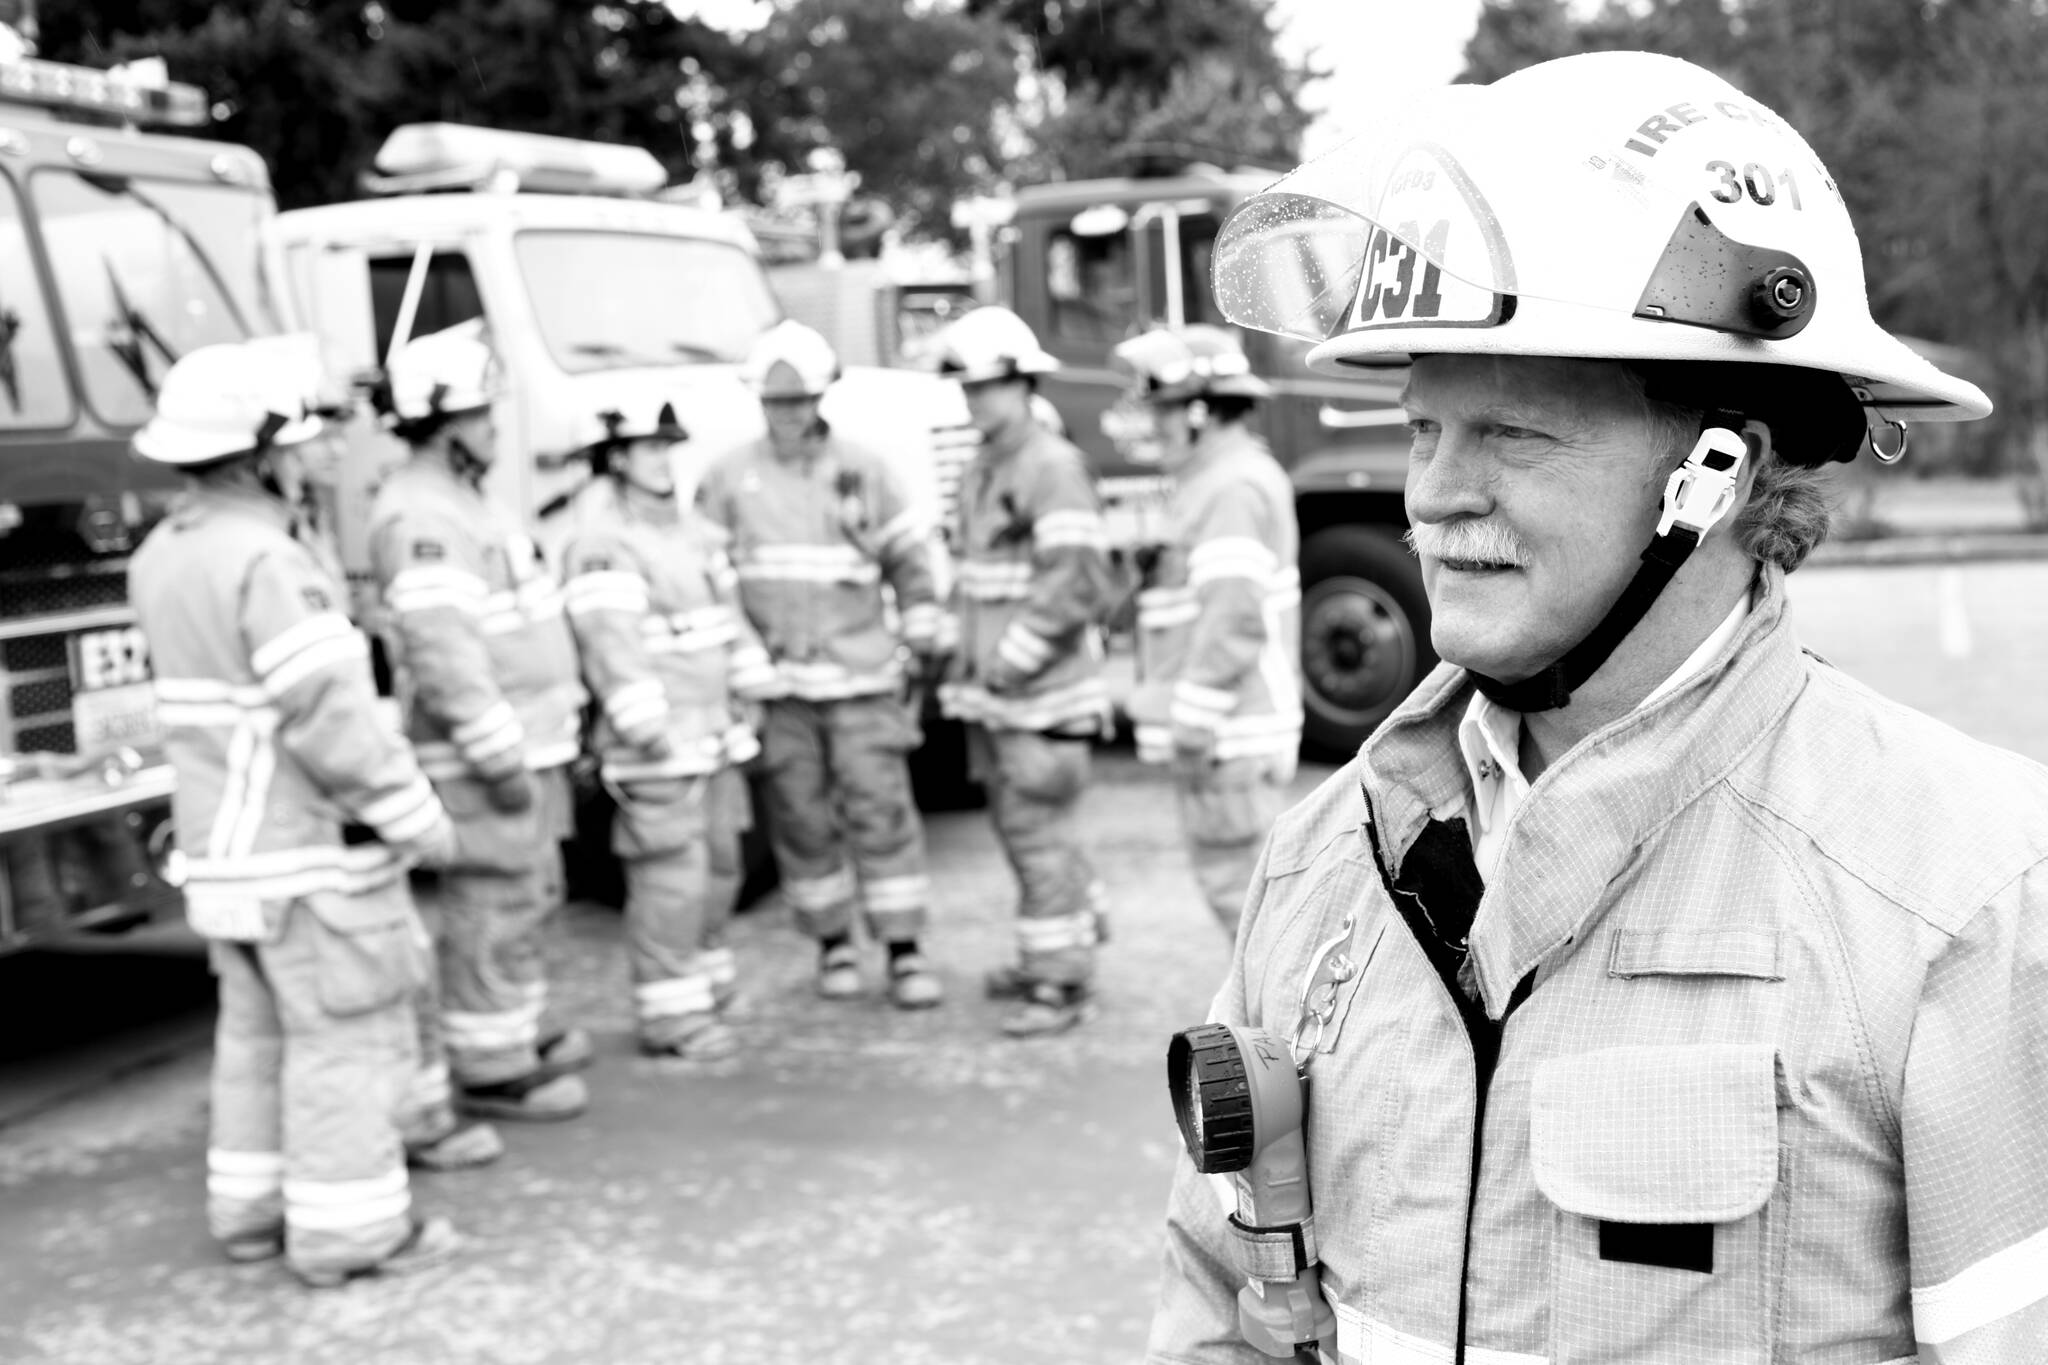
1474,542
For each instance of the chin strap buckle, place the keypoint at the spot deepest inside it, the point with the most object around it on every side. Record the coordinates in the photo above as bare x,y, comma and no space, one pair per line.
1702,490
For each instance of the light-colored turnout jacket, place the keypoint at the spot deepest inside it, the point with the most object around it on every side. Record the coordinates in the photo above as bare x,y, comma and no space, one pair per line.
1219,629
813,540
1033,584
486,665
270,719
665,646
1777,1088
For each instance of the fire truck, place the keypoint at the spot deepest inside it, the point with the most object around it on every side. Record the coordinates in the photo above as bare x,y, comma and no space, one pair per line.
1090,262
596,295
121,248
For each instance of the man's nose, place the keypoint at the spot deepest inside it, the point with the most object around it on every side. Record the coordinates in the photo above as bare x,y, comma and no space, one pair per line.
1455,481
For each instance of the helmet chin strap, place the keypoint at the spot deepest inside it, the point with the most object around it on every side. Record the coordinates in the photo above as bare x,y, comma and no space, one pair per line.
1697,495
469,465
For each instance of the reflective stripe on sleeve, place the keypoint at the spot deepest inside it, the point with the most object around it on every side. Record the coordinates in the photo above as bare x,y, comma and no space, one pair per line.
608,590
431,587
2001,1284
1071,529
299,652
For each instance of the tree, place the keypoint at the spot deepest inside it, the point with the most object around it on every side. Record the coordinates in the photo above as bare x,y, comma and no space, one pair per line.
912,98
1139,84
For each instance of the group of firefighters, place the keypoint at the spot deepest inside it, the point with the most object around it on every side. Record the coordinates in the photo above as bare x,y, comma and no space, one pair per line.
783,626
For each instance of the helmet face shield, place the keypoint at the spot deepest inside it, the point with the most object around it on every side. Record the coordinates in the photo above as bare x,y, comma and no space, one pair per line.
1613,205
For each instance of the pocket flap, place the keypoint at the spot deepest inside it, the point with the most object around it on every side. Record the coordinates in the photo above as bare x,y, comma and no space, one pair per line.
1685,1134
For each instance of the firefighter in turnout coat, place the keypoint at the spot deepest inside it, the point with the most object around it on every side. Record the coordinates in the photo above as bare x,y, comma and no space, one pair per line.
668,657
1219,617
1650,990
818,527
298,811
1032,587
488,679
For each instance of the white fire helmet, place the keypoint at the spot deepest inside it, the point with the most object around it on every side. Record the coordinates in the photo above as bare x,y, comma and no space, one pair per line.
1616,205
444,374
1176,364
790,360
234,398
988,344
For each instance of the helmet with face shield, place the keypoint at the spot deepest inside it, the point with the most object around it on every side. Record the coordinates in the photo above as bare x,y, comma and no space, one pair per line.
1614,205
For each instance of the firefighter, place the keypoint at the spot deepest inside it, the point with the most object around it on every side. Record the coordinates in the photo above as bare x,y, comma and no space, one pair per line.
668,656
298,811
1219,619
487,675
819,526
1662,993
1033,585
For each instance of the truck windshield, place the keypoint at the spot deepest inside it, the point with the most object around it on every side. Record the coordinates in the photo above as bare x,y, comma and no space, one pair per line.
146,271
613,300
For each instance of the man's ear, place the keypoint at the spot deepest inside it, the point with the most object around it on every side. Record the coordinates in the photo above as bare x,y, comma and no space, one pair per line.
1757,436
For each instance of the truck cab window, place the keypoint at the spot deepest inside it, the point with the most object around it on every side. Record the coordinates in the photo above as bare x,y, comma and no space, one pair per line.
449,296
137,284
1197,252
1093,285
34,391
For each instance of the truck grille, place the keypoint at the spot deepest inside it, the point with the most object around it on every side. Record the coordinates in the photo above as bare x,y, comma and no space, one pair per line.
35,670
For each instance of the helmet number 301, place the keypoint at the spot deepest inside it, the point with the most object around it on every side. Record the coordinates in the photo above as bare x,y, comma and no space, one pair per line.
1756,181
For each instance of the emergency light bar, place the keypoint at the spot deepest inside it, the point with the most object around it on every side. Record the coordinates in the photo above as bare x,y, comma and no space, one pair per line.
57,85
457,156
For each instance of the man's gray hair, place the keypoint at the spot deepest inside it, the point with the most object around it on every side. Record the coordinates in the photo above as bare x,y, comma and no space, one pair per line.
1790,505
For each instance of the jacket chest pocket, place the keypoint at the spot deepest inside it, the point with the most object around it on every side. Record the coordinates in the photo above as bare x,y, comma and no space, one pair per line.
1662,1167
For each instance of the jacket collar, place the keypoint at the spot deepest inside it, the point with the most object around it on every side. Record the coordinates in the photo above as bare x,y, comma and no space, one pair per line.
205,499
1591,811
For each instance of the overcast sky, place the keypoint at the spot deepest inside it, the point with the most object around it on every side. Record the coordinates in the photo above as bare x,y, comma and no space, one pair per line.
1373,44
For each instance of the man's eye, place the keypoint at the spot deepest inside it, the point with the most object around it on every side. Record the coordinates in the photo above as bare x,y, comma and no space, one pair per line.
1509,433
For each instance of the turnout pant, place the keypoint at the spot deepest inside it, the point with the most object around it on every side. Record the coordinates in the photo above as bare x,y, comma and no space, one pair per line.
313,1052
1034,784
678,842
1226,810
489,914
842,821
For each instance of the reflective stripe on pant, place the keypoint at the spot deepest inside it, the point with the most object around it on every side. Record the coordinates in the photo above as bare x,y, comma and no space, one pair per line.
1226,810
662,834
842,819
313,1052
493,908
1034,784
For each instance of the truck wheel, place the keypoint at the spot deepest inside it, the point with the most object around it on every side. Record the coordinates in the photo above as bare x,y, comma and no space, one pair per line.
1364,635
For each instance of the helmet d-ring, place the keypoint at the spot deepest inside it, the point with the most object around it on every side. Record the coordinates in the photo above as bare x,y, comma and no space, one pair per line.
1877,445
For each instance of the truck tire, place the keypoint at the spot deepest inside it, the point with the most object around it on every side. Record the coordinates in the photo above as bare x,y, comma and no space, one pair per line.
1364,635
938,768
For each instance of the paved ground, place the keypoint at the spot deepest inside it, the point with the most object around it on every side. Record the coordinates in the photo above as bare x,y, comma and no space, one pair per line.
861,1185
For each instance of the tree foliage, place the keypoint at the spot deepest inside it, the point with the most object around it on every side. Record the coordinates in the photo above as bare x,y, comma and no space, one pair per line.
1134,85
1932,116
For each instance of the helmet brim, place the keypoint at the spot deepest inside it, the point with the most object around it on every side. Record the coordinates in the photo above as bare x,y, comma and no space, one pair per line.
1895,382
173,443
